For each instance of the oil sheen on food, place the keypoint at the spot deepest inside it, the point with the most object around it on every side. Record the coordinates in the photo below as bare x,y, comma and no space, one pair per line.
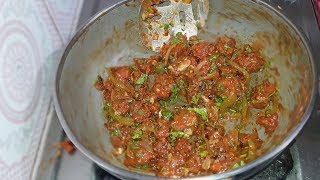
170,114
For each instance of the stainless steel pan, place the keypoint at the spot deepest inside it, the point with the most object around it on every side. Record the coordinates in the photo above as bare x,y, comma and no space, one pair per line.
111,38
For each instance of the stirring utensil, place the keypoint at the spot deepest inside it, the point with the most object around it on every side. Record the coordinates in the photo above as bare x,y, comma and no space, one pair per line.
161,19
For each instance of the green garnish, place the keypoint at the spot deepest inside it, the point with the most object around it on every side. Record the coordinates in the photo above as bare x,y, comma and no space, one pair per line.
176,134
133,145
219,101
268,64
248,95
166,26
140,167
213,68
116,132
220,115
242,163
174,96
141,79
106,107
220,87
195,98
166,115
175,89
248,49
268,112
203,154
160,69
128,115
214,57
136,125
138,155
235,166
179,34
137,134
226,47
224,97
163,104
175,41
201,111
243,156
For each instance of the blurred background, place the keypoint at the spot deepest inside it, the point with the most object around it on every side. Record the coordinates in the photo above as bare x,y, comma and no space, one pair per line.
33,34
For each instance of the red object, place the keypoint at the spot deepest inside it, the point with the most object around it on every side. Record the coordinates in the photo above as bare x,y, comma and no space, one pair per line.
67,146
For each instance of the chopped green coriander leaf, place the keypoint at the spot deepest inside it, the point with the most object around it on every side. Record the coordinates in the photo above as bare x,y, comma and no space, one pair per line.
143,168
214,57
116,132
220,116
166,115
213,68
175,41
137,134
203,154
220,87
128,115
179,34
248,49
166,26
160,68
201,111
195,98
141,79
176,134
136,125
174,96
218,103
175,89
138,155
163,104
224,97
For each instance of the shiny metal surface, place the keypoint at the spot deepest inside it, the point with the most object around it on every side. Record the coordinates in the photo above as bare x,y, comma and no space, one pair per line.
133,175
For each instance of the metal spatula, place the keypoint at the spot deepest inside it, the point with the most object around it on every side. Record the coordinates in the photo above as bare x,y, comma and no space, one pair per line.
161,19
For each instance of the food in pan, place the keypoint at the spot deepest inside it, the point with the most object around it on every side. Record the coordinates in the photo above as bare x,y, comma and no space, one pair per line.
187,111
